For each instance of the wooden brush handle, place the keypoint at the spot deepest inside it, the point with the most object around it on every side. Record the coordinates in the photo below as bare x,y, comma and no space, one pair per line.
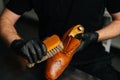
58,63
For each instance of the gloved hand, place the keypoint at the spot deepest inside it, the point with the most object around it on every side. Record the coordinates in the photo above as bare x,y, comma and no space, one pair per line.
88,38
33,49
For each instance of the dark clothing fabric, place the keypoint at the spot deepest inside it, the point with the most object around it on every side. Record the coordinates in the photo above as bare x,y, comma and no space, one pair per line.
101,69
57,16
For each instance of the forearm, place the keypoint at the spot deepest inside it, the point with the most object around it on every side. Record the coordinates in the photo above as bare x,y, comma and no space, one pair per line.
7,30
110,31
8,33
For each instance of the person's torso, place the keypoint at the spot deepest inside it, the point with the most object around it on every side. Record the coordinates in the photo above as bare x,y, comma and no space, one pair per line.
57,16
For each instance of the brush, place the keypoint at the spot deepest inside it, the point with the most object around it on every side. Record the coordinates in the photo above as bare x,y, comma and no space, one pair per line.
53,45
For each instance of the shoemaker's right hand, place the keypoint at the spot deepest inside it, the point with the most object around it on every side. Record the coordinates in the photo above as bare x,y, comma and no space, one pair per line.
33,50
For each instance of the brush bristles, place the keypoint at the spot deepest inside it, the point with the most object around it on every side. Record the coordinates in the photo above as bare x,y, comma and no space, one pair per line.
48,55
53,45
52,52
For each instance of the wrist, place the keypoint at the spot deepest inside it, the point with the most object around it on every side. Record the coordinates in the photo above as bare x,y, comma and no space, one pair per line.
17,44
96,36
99,36
10,40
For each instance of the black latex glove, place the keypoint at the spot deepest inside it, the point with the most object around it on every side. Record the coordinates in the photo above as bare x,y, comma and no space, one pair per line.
88,38
33,49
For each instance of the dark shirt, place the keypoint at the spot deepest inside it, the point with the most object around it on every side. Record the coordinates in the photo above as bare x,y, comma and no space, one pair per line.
57,16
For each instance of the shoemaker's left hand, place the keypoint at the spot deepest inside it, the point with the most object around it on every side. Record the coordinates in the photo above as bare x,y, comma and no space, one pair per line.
87,39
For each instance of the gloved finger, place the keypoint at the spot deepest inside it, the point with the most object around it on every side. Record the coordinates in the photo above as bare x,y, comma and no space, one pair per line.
90,36
79,36
43,47
32,51
38,50
25,53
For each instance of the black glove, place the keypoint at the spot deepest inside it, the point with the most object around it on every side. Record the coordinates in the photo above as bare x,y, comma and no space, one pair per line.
33,49
88,38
